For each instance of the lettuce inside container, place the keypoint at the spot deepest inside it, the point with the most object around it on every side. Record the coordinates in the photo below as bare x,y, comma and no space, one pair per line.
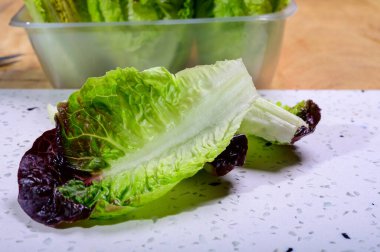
69,53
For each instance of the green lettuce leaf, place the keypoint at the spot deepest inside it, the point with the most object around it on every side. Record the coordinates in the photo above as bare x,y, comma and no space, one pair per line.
258,7
140,133
36,10
235,8
271,122
176,9
279,5
106,10
280,124
58,10
229,8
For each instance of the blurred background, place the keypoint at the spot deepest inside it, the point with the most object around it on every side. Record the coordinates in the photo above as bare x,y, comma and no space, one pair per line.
328,44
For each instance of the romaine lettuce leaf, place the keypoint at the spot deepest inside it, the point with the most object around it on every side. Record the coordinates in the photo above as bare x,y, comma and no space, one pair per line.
279,5
127,138
178,9
37,10
271,122
58,10
234,8
108,10
258,7
279,123
132,136
140,133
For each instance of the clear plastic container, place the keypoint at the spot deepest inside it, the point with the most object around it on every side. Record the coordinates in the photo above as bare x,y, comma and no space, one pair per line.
69,53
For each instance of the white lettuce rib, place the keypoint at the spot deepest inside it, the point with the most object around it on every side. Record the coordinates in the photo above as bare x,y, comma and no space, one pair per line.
227,94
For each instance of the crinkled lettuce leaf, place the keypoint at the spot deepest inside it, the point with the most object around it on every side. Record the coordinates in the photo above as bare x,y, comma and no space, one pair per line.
127,138
140,133
235,8
58,10
108,10
124,10
159,10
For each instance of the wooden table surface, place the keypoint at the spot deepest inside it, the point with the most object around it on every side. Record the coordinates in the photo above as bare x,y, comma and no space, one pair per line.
328,44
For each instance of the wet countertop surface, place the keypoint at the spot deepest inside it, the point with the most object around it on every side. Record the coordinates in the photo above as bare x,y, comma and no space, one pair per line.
323,194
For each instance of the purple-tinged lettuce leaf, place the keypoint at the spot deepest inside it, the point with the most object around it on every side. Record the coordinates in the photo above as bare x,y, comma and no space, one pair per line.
135,135
42,170
280,124
233,155
310,112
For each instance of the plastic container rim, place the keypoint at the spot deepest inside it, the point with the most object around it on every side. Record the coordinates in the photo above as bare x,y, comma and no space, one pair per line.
280,15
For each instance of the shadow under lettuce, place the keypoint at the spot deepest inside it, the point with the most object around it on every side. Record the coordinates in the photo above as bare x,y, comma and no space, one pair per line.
265,156
201,189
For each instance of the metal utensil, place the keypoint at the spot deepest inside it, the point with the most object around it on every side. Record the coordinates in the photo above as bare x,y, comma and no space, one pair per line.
9,59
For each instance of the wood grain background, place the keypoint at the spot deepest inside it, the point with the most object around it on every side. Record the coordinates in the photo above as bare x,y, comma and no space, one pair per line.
328,44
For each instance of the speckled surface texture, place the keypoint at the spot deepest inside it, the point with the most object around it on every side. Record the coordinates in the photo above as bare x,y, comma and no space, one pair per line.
321,195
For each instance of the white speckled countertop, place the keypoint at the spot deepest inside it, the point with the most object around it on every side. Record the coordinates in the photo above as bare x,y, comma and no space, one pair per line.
322,195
